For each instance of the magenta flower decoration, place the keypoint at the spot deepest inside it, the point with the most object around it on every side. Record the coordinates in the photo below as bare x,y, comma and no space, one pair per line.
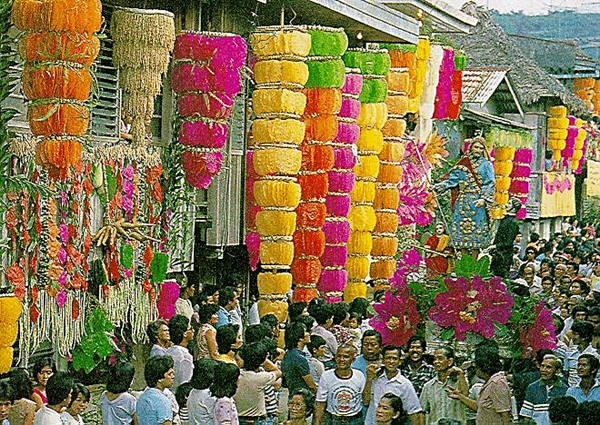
61,298
472,305
542,333
397,317
128,172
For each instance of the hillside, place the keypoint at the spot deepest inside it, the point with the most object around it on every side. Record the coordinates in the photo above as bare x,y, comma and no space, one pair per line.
569,25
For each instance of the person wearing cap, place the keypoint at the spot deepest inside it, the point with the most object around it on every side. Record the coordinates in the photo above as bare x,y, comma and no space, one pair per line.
504,240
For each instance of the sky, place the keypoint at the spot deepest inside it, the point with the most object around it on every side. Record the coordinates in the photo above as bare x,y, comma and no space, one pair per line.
535,7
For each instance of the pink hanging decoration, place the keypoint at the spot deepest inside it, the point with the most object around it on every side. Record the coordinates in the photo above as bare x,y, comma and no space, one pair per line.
169,292
443,94
519,184
206,77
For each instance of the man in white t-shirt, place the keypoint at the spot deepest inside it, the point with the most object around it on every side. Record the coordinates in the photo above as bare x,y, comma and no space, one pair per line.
181,334
58,391
339,395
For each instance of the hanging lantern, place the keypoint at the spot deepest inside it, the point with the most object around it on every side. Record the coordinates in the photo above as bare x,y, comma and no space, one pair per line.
10,311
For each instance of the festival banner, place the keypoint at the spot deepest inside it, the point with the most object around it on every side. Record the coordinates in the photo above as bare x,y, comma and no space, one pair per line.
558,195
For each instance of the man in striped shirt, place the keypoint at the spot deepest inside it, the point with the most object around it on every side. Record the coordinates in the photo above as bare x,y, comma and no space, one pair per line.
541,392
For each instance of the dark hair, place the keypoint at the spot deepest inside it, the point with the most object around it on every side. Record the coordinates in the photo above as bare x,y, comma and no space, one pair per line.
255,333
182,394
21,384
387,348
226,385
534,237
253,355
448,351
396,404
209,289
153,328
58,388
322,313
206,311
368,333
594,311
295,310
178,326
294,334
561,410
540,354
360,306
417,338
79,389
487,360
316,341
270,320
120,377
594,362
355,315
578,309
226,295
314,305
308,321
584,328
588,412
155,369
7,393
340,312
40,364
308,397
204,373
226,337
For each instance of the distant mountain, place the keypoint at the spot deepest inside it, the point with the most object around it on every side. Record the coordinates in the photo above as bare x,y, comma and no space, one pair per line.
566,25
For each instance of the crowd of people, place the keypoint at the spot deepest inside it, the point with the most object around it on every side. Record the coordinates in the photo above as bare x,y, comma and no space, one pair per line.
211,364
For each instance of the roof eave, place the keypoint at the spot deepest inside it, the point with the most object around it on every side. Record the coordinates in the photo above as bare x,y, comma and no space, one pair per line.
445,17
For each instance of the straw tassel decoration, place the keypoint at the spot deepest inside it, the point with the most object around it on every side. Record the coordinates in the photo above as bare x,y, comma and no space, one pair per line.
58,48
206,78
363,220
323,93
278,132
143,41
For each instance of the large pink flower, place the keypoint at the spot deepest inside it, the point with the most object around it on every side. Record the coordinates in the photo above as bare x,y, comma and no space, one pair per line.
542,333
397,317
472,305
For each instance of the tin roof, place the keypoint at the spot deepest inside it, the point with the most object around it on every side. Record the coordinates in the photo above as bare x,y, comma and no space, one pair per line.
479,84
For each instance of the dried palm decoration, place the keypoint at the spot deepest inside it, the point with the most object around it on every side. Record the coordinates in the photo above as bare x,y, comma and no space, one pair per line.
143,40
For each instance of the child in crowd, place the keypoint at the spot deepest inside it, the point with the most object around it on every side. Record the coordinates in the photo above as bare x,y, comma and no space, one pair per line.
223,388
182,394
80,398
354,328
118,406
200,402
6,402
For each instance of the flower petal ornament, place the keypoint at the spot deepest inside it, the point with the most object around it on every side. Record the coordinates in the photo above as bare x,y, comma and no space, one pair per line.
472,305
277,134
326,75
58,48
374,66
397,316
541,334
143,41
557,130
206,77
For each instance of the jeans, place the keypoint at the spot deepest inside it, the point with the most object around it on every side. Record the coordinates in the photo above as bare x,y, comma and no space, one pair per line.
338,420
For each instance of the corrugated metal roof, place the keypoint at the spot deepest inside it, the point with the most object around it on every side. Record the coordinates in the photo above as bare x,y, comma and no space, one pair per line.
479,84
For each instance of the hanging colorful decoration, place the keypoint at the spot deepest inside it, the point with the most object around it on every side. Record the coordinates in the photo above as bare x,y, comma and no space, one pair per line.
143,41
58,48
326,75
278,131
206,77
558,195
573,154
10,311
456,83
557,130
363,220
443,94
334,275
585,89
472,305
428,96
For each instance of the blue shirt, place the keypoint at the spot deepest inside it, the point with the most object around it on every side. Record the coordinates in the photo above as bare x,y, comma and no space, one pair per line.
537,400
294,367
153,407
223,317
360,364
577,393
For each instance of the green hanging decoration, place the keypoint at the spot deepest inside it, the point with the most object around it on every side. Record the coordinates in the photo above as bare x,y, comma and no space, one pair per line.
327,41
158,267
373,91
111,184
325,74
126,256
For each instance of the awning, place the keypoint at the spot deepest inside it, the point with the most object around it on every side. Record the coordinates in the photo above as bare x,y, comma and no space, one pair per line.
442,16
485,117
375,21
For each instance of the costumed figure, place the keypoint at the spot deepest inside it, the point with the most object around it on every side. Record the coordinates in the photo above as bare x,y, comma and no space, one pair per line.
473,187
438,264
503,248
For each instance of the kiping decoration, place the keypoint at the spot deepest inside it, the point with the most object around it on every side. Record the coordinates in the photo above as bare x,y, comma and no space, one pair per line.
143,41
281,73
207,78
326,76
58,48
363,220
